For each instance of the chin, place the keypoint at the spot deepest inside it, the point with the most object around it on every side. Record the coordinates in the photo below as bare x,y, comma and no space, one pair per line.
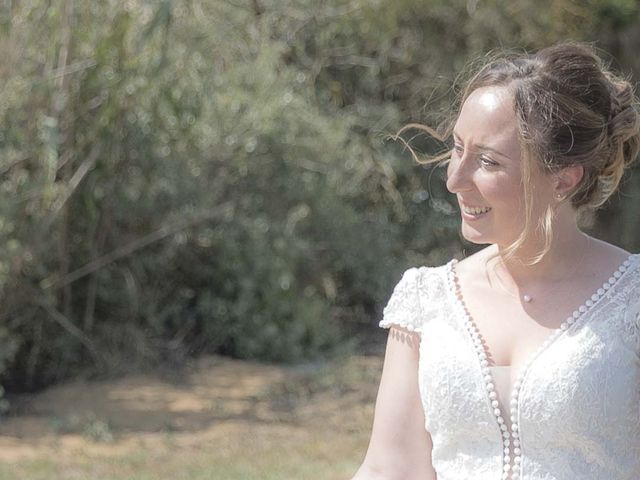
475,236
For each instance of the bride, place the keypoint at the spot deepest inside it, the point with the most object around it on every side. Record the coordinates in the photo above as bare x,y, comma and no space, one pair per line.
521,361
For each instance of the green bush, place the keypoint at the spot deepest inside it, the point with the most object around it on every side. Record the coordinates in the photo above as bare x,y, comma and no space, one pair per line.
182,177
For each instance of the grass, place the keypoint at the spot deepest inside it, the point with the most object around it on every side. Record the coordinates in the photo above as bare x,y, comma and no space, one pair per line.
248,422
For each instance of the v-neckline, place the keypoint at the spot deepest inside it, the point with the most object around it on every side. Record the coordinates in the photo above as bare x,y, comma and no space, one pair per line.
455,292
512,460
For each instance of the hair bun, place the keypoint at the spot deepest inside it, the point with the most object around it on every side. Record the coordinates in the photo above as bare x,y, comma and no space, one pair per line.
623,128
623,118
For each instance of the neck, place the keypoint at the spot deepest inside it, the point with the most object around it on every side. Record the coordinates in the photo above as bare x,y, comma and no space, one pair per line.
568,246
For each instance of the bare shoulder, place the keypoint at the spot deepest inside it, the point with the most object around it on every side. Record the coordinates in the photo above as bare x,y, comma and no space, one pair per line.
609,250
605,256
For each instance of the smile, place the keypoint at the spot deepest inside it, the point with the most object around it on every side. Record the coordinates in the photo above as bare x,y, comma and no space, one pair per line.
475,210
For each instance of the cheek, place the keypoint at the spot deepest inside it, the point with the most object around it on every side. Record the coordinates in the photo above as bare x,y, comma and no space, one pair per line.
507,187
508,203
501,190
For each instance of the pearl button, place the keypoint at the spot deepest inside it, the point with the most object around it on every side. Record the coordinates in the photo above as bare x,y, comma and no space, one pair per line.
511,440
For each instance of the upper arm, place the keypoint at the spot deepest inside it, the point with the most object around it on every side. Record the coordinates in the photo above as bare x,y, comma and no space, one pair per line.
400,447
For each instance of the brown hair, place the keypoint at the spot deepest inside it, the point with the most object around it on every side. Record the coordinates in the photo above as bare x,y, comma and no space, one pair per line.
571,110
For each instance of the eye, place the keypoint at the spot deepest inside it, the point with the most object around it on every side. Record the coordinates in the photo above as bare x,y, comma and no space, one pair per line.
458,149
487,162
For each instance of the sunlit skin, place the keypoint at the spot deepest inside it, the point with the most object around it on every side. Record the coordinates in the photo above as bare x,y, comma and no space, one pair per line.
485,169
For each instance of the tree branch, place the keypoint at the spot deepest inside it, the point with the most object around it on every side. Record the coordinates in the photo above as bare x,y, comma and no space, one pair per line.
55,282
85,167
68,325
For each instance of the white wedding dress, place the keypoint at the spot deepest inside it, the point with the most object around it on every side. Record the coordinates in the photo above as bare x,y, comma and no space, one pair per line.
574,411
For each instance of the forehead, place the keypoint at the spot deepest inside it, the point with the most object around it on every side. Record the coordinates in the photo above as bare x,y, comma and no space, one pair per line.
487,116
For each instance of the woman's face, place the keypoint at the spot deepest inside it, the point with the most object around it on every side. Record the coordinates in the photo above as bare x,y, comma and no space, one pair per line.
485,171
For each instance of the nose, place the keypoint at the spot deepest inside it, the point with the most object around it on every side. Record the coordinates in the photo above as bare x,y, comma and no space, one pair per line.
459,174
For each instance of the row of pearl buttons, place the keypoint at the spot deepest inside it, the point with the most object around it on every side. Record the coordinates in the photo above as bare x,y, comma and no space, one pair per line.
486,372
515,395
510,472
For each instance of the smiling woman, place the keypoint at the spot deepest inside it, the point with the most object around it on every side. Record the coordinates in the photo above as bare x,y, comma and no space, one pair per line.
544,312
485,168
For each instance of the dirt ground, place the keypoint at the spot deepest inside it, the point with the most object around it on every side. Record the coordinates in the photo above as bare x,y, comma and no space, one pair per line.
218,408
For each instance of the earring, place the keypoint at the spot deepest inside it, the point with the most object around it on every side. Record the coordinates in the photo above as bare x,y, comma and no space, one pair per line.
559,196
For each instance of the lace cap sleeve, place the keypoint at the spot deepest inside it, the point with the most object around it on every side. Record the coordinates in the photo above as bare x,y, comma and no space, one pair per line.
403,308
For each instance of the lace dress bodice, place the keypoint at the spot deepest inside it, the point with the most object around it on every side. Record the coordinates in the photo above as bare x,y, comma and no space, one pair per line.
574,412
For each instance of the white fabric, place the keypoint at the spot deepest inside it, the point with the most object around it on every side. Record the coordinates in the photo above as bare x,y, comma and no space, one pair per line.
579,409
504,384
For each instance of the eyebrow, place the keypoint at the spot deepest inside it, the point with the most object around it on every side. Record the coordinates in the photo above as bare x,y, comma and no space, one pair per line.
485,147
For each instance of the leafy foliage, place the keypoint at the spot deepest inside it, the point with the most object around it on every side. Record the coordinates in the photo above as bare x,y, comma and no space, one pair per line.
199,176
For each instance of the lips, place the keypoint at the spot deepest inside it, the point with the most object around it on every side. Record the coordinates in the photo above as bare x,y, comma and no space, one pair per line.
475,210
472,212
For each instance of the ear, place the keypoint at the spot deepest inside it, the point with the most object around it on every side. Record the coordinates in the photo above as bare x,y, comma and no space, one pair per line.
567,180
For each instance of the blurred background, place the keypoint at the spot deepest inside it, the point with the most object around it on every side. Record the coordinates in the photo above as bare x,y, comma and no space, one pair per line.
203,214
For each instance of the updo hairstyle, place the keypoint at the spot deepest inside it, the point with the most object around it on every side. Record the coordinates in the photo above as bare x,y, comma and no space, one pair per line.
571,110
